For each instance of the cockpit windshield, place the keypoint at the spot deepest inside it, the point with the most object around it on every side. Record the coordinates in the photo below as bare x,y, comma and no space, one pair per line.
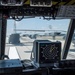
21,35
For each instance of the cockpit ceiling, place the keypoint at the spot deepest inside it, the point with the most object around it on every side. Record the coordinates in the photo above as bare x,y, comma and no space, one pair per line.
56,2
44,3
60,9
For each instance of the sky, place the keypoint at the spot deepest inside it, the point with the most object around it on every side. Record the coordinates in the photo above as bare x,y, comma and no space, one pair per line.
38,24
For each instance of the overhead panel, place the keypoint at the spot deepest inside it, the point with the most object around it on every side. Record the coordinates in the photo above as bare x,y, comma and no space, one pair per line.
44,3
11,2
66,12
27,2
63,2
57,9
55,2
71,2
41,3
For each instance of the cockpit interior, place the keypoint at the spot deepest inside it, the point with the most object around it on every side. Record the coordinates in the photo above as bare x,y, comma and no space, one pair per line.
37,37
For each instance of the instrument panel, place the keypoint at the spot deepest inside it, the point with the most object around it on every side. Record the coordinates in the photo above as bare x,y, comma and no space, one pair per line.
46,53
50,51
53,9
